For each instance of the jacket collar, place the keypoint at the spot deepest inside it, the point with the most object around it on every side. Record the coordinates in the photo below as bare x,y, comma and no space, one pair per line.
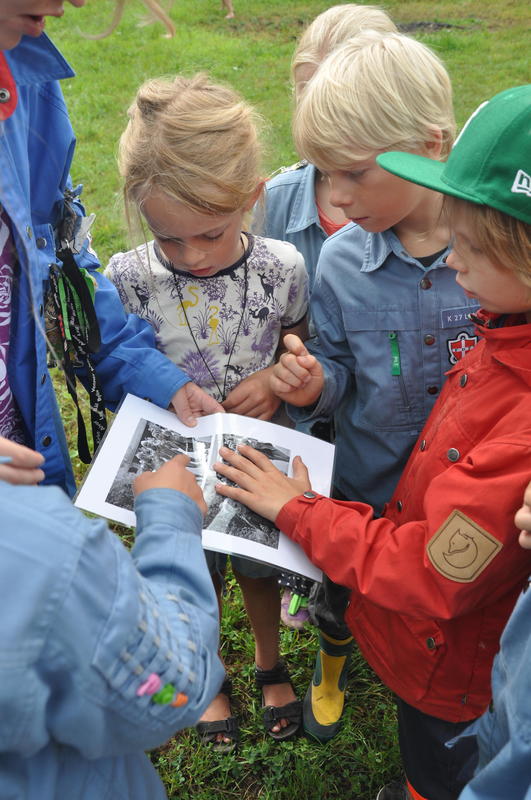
36,61
304,209
507,339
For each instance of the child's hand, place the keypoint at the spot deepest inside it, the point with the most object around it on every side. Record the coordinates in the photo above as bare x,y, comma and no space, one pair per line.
22,465
260,485
253,397
172,475
190,402
298,376
522,520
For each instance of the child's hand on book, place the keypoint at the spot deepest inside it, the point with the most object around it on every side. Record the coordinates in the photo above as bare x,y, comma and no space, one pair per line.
260,485
253,397
298,377
172,475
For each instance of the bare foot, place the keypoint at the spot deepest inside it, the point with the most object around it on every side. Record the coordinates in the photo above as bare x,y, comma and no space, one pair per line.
230,15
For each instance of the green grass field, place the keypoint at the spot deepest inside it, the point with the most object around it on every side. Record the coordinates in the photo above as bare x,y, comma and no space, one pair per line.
485,47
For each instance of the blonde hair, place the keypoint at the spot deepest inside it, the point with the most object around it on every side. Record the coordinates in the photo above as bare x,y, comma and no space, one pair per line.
505,240
156,12
374,92
330,29
195,141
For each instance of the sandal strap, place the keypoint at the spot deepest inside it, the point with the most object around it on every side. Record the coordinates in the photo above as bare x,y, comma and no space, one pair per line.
291,711
229,727
266,677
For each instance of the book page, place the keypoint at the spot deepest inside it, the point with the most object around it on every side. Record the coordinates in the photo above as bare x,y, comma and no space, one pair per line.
143,436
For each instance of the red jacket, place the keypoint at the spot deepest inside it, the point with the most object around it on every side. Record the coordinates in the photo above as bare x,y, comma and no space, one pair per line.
435,578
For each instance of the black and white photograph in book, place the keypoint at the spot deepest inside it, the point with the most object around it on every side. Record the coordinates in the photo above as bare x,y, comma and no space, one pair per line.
151,446
227,516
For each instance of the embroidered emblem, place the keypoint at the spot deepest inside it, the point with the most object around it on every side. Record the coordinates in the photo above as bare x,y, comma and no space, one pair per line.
521,183
181,699
150,686
460,346
460,550
165,695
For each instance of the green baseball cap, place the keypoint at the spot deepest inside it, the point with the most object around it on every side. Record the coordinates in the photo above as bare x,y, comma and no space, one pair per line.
490,163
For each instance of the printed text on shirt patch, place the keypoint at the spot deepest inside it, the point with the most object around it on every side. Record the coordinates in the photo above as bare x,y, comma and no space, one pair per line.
457,317
461,549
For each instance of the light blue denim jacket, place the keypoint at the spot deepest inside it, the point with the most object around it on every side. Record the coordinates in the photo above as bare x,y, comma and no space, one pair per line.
291,213
84,624
388,331
36,150
504,732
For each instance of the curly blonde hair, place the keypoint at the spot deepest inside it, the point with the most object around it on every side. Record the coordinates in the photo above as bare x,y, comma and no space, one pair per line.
195,141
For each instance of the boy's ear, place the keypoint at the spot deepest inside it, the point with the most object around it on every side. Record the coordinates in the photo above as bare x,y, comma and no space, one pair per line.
255,195
434,142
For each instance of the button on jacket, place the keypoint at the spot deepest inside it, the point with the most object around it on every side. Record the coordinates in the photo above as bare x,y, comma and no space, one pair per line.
435,578
374,306
85,624
36,149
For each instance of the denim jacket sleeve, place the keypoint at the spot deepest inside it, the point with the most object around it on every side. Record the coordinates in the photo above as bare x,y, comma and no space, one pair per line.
105,651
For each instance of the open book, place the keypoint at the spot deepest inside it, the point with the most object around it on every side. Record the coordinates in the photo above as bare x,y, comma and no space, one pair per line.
144,436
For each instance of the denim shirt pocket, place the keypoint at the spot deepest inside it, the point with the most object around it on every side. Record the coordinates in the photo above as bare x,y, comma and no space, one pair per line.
386,347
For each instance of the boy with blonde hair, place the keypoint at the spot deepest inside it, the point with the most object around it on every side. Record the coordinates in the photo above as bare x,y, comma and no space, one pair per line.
390,319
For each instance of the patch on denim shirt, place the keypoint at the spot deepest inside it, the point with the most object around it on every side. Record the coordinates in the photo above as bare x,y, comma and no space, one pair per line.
460,346
454,317
461,549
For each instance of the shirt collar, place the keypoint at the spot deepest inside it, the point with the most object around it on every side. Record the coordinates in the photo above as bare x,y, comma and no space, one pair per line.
304,209
37,61
379,246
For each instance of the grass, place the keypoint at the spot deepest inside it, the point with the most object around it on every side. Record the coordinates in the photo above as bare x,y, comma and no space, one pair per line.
485,47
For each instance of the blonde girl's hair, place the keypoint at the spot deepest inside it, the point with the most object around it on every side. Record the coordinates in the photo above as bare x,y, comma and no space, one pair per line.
330,29
504,240
195,141
156,10
374,92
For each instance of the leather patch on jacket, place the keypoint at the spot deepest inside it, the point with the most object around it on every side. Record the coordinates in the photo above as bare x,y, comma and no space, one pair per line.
460,550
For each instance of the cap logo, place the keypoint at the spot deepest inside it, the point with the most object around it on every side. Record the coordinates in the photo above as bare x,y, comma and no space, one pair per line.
522,183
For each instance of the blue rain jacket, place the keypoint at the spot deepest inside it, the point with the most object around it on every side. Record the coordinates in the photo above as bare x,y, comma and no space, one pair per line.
36,149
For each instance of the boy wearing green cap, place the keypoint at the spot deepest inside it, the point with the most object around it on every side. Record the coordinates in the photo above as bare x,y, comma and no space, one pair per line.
434,580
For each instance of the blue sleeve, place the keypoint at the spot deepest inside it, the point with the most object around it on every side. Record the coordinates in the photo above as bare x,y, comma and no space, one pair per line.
128,360
330,346
96,625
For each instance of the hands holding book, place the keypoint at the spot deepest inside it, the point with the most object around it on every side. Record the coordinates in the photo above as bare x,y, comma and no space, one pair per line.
19,465
260,485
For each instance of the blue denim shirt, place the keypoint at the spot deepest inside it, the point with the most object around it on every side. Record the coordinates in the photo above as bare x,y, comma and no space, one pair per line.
291,214
36,149
388,331
504,732
84,624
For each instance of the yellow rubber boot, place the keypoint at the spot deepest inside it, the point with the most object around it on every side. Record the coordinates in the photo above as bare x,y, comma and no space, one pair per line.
325,698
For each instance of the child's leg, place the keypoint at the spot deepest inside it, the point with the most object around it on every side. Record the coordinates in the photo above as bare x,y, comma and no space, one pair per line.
262,603
219,708
324,700
433,769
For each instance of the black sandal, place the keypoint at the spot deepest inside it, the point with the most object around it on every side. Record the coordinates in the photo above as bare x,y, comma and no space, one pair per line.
273,714
208,731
